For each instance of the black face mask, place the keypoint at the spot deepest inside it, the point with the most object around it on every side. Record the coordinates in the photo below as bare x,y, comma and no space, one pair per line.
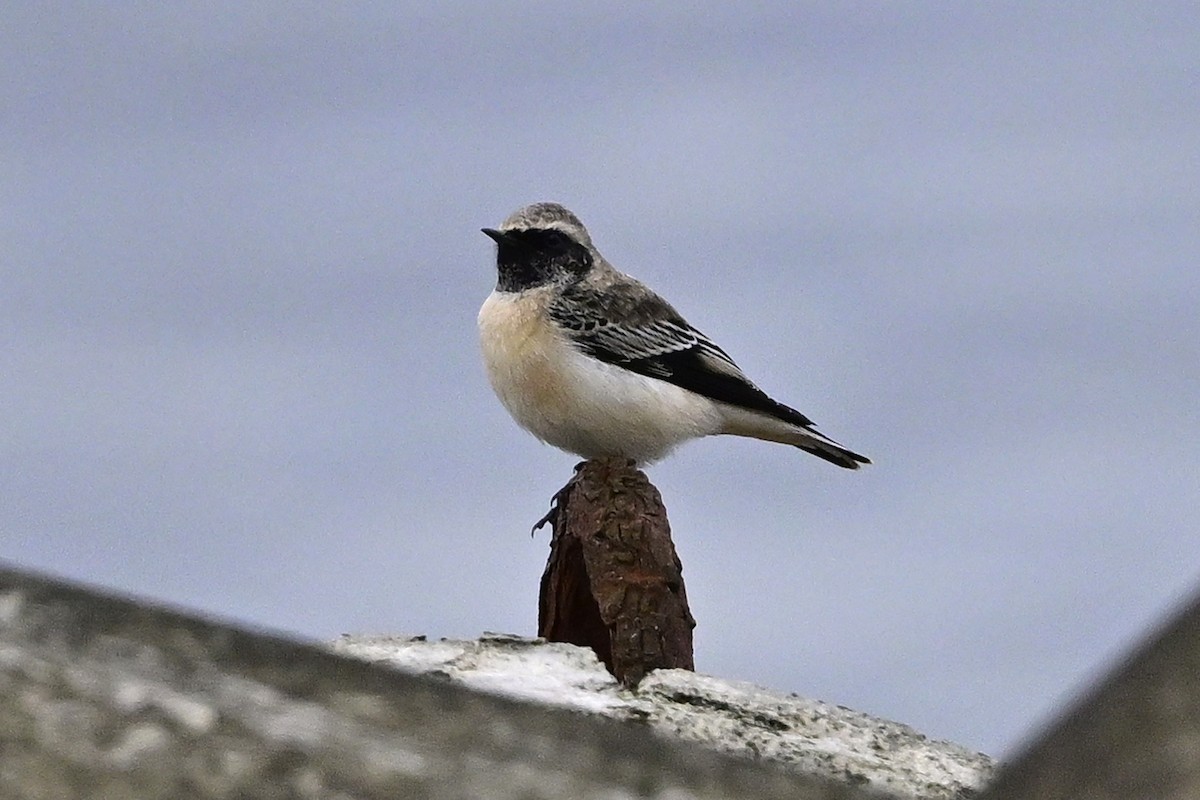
529,258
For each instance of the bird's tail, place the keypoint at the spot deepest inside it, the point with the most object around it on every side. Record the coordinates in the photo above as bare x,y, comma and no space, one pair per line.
788,426
824,447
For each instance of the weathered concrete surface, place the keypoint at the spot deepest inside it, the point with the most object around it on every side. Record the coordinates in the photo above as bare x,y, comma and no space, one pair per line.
1136,736
103,698
810,737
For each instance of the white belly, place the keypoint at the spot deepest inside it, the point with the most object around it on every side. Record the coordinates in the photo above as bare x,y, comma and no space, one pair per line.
575,402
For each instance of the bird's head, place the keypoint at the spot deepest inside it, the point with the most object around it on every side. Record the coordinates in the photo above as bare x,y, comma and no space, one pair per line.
540,244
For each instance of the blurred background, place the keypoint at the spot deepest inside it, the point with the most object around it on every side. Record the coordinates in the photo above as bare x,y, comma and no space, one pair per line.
241,262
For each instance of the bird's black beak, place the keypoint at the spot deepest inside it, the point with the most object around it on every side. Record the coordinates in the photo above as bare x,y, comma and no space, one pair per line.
499,237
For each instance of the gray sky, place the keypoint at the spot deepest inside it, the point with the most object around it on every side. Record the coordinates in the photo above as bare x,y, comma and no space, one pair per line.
241,266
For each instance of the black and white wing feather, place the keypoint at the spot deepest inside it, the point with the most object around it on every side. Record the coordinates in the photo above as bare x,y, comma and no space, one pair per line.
629,326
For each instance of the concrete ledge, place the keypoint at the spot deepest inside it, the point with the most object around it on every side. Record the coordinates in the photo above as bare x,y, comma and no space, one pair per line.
105,698
808,736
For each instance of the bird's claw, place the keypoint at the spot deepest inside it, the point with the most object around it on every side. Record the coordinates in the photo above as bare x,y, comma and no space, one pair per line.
555,504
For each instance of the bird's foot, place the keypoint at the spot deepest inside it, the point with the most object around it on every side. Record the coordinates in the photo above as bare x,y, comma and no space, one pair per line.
556,503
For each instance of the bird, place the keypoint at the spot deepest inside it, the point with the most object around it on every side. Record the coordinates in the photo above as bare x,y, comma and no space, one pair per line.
593,362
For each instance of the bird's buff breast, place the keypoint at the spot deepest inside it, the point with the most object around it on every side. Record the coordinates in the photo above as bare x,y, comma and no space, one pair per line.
573,401
525,357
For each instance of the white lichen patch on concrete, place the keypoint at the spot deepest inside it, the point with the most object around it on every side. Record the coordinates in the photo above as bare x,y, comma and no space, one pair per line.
10,606
513,666
816,737
133,695
730,716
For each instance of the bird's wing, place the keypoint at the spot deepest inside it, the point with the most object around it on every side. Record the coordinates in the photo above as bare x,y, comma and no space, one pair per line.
629,326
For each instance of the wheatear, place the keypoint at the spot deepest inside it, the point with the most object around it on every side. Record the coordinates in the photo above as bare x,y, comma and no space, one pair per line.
593,362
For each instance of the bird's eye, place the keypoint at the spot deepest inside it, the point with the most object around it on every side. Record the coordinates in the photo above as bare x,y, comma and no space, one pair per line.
550,241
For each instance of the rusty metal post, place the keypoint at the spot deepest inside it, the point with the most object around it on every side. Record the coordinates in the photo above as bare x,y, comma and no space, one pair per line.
613,581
